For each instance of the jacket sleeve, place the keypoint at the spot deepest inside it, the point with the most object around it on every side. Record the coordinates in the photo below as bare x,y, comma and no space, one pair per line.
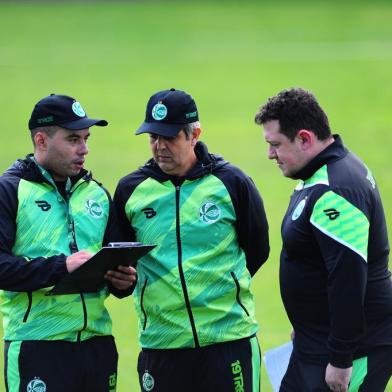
344,249
113,233
121,196
18,273
251,224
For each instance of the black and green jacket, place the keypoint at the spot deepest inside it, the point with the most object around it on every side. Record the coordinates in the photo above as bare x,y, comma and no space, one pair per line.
39,228
211,234
334,276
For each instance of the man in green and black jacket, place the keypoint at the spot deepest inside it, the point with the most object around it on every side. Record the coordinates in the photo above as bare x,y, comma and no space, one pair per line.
334,277
54,216
197,326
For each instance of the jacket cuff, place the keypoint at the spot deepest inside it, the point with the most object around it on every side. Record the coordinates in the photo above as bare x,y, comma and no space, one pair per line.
120,293
341,360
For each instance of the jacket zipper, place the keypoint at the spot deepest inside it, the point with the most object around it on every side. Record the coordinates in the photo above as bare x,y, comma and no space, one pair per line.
181,272
73,247
30,297
85,317
238,292
141,305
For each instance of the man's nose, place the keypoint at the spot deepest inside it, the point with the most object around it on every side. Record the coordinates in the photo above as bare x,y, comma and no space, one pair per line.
83,148
160,142
271,153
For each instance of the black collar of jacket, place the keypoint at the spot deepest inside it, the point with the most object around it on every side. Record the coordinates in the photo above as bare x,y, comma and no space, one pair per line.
333,152
206,163
29,171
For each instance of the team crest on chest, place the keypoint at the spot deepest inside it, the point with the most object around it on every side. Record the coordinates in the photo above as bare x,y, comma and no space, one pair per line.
298,210
94,209
209,212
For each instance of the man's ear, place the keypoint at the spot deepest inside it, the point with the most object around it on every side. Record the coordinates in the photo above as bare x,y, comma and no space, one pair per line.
41,141
306,138
195,136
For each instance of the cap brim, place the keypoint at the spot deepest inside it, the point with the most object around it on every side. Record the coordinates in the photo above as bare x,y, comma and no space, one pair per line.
161,129
83,123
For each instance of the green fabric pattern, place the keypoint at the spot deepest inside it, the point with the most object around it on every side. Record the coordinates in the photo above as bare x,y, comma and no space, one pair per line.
44,220
342,221
255,364
320,177
13,375
358,374
210,253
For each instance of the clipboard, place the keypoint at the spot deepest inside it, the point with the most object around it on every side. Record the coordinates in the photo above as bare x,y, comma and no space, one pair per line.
276,363
89,277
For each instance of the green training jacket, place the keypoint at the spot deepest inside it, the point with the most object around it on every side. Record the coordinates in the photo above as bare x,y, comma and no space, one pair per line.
211,234
39,228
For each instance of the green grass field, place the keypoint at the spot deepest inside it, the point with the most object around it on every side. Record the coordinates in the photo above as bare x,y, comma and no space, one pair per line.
230,56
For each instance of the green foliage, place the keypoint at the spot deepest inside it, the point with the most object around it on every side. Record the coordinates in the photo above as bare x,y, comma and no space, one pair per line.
230,56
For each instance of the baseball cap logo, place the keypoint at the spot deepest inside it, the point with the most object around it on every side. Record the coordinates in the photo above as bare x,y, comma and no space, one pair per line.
159,111
78,110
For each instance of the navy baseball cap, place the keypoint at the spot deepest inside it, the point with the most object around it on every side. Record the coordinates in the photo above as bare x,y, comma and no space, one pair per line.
63,111
167,112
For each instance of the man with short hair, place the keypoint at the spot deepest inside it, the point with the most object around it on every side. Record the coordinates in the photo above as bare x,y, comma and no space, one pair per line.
196,312
334,277
53,217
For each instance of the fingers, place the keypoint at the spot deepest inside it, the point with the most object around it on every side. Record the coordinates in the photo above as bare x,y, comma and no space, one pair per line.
337,387
123,273
122,279
75,260
127,270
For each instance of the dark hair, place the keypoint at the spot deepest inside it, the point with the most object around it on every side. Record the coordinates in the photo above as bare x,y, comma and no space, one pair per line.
49,130
295,109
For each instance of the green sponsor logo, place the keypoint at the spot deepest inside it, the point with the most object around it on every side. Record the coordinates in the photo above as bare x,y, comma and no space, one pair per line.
238,378
209,212
148,381
45,120
78,110
191,115
159,112
112,382
36,385
94,209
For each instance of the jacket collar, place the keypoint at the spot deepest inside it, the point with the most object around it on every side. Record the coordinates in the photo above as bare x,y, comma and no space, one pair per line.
333,152
206,163
30,170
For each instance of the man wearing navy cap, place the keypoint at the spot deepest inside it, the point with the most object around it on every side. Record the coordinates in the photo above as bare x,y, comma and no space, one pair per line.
54,216
196,311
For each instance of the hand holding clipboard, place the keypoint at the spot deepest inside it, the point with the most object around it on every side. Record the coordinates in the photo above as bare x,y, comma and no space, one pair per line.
90,276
